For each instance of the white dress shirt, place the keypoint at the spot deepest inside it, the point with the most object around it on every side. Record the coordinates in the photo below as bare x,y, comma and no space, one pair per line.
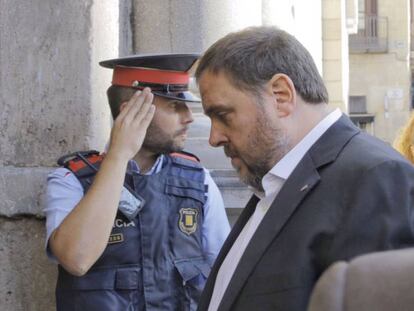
272,183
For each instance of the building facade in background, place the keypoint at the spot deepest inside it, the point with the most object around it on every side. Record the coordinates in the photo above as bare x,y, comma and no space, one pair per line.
380,76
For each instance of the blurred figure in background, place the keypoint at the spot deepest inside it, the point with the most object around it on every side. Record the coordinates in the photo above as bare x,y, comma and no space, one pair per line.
404,143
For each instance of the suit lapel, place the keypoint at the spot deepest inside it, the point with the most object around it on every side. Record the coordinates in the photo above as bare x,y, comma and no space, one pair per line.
302,180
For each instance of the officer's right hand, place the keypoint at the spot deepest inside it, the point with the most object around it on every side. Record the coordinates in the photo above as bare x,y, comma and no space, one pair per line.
130,127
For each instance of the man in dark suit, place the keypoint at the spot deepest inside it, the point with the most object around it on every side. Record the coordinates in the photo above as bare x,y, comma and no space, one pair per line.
324,190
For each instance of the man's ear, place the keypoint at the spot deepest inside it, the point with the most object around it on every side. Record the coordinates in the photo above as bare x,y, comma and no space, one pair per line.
283,92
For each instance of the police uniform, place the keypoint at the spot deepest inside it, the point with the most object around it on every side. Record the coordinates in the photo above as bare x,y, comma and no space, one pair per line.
159,258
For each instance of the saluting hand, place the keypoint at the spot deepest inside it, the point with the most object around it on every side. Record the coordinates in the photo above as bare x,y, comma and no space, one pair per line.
130,127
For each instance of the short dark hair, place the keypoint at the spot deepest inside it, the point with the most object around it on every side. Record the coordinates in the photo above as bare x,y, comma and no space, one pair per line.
252,56
116,96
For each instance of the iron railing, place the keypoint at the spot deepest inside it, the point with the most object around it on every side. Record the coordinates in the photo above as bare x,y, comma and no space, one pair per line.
372,36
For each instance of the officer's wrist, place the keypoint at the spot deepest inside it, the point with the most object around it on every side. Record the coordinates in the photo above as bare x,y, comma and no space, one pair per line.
117,157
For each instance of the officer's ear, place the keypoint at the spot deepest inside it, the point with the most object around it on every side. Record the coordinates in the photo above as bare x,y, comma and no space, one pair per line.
122,106
283,93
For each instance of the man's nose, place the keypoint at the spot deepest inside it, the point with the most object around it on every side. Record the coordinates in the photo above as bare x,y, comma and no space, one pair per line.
187,115
217,137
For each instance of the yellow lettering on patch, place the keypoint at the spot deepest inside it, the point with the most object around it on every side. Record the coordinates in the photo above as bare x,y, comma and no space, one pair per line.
116,238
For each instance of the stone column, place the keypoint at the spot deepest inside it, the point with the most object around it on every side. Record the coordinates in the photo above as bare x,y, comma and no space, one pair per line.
335,52
52,96
189,25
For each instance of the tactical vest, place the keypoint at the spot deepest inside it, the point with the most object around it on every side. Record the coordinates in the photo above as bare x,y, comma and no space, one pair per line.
154,261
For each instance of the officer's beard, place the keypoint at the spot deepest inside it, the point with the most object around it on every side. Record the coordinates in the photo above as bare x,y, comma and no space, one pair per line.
160,142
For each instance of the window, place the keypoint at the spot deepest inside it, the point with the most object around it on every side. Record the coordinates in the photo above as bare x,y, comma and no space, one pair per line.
367,15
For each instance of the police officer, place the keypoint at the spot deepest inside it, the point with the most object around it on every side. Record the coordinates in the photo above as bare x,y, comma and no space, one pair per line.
138,227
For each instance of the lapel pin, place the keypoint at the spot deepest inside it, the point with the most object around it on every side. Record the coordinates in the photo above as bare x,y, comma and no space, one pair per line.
304,188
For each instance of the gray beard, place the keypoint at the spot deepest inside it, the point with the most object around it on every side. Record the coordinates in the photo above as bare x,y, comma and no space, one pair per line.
270,144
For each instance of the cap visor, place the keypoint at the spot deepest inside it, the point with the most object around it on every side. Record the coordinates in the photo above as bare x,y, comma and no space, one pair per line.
181,96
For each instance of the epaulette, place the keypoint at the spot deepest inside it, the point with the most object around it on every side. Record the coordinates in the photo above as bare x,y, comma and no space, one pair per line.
85,164
77,161
185,155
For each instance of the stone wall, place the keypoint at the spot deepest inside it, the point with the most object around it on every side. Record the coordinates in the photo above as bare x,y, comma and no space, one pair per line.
52,101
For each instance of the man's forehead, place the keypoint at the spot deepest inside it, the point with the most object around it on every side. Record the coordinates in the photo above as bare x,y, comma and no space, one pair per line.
217,97
209,77
211,86
218,89
218,83
212,99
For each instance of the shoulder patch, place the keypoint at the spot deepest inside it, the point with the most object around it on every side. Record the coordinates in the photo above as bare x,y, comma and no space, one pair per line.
79,160
185,155
188,221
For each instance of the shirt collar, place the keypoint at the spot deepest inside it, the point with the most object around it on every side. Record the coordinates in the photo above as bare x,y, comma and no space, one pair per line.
282,170
156,168
134,167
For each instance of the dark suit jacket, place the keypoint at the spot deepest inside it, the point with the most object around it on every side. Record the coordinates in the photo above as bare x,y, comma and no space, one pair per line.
350,194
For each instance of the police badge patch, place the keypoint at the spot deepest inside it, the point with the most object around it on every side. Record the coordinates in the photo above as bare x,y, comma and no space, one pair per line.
188,220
